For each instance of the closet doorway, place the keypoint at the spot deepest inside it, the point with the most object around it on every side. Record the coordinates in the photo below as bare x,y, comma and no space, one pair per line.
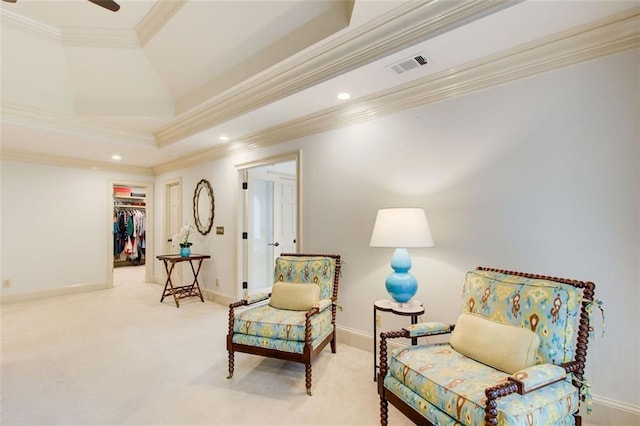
130,232
269,219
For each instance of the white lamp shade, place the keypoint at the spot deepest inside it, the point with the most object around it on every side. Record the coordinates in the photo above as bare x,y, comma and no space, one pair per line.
401,227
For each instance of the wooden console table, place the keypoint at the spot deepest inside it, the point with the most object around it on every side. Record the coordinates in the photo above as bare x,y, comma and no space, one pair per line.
182,291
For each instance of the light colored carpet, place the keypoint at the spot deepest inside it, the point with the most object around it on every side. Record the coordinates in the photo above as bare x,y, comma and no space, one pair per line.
119,356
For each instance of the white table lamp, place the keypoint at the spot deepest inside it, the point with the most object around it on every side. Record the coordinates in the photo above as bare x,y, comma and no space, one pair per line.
401,228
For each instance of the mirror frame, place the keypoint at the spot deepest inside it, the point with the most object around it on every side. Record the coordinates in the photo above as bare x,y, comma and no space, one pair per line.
202,228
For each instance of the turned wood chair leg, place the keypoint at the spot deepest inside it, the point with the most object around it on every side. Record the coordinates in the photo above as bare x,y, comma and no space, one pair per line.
384,412
230,365
307,377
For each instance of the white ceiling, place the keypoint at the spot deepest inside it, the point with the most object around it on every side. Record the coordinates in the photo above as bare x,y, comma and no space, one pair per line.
160,81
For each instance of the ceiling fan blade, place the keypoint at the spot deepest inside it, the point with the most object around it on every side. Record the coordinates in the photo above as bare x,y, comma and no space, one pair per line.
10,1
107,4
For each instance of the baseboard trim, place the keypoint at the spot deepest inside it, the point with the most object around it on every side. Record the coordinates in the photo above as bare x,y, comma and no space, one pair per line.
355,338
222,299
606,411
361,340
51,292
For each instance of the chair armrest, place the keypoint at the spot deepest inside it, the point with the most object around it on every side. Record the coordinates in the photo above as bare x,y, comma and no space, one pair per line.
258,297
324,304
537,376
525,381
384,366
250,300
428,329
255,298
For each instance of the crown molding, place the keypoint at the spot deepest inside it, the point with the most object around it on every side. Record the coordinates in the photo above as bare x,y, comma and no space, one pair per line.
211,154
405,25
99,37
37,118
30,26
53,160
611,35
156,19
69,36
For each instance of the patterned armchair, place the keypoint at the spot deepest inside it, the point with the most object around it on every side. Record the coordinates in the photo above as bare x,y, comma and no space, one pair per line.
516,355
299,319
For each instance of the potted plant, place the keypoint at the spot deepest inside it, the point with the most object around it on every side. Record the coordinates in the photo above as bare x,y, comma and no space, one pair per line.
182,238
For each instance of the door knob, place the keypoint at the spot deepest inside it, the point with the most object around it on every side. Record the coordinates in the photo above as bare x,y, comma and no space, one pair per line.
276,244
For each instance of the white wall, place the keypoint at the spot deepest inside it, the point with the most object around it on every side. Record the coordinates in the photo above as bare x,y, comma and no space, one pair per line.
54,226
540,175
224,180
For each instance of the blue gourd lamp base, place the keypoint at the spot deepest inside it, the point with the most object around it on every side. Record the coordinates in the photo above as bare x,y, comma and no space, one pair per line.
400,284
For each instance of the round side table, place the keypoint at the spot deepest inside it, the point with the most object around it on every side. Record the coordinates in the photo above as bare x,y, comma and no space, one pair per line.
412,308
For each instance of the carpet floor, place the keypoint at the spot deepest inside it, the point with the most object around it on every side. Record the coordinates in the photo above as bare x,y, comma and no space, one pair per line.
119,356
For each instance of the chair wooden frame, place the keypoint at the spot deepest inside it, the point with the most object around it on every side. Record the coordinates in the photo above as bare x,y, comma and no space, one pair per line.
307,356
576,366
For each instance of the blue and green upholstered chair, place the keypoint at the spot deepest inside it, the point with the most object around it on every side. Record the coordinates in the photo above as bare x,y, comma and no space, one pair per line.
296,320
515,356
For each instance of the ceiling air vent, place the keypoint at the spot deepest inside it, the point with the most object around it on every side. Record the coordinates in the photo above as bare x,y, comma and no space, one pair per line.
408,64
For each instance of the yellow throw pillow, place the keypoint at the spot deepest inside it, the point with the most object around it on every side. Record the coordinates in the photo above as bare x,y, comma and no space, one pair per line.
294,296
505,347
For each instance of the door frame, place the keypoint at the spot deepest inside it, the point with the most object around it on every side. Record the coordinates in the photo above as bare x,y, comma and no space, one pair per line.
242,217
166,231
149,225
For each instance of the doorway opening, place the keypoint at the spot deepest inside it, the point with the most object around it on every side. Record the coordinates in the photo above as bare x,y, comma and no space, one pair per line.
131,233
269,219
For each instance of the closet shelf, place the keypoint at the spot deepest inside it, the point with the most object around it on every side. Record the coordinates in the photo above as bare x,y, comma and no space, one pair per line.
125,202
124,197
128,206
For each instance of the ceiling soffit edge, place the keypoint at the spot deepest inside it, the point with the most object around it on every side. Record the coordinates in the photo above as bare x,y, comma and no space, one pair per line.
601,38
406,25
37,118
321,27
96,37
52,160
157,18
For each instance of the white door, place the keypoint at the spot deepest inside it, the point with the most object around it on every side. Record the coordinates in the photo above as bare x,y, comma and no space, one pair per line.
262,245
271,213
285,214
173,211
174,214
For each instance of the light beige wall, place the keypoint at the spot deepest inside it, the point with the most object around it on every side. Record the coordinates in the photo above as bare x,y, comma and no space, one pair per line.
540,175
218,274
55,228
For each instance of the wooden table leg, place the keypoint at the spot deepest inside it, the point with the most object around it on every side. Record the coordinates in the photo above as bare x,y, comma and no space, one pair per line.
414,320
171,290
195,278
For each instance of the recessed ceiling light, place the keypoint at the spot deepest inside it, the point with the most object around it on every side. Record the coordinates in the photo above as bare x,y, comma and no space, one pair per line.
224,138
344,96
116,157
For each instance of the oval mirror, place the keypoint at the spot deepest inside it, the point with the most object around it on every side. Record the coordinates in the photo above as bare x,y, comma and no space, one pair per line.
203,206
